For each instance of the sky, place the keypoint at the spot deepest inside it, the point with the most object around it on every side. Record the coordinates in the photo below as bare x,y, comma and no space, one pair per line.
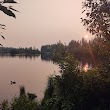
42,22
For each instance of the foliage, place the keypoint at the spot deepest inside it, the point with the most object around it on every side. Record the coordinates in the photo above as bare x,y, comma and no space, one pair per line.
22,102
78,90
97,20
4,105
74,47
8,10
49,90
55,51
101,48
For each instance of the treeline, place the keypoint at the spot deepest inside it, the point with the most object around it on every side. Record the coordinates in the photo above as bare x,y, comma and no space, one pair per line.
94,49
23,51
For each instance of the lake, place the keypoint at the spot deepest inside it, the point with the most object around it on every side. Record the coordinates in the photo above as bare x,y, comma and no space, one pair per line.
28,71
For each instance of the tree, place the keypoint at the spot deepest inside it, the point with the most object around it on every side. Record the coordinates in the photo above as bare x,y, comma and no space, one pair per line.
8,10
74,47
97,20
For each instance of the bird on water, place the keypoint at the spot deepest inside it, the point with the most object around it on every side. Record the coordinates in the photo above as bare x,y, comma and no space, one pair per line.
13,82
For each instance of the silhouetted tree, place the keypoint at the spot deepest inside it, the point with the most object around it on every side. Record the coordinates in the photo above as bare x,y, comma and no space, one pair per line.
8,10
74,47
97,20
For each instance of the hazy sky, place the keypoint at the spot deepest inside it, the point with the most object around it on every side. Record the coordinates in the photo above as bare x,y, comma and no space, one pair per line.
43,22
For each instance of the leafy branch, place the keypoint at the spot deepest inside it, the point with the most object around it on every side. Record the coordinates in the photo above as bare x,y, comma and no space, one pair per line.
97,20
8,10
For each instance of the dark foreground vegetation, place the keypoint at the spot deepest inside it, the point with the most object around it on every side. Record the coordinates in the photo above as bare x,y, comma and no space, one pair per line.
25,101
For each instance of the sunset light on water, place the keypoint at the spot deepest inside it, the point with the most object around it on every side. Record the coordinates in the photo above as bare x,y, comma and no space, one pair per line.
86,67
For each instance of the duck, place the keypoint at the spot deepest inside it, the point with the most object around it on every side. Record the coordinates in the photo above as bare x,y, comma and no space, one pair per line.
13,82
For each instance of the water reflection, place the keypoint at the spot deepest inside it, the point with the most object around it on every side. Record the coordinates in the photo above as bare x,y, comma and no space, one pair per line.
44,57
32,71
86,67
29,71
3,55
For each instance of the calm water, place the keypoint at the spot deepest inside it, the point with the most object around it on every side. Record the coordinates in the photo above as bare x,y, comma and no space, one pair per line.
31,72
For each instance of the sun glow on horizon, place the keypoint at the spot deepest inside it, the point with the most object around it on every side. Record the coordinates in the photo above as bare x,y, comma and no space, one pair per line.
86,36
86,67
